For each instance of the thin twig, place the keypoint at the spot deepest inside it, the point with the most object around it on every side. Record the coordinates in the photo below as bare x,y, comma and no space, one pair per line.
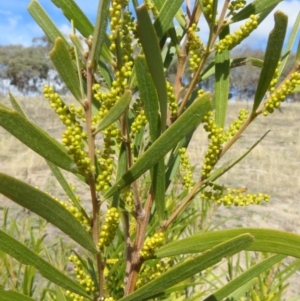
91,177
182,205
182,55
204,58
128,248
191,87
137,262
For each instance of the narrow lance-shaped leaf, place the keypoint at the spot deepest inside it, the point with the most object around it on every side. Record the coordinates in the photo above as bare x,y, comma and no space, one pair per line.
20,252
188,121
152,53
16,105
44,21
254,8
242,279
290,44
243,290
36,139
60,295
179,14
100,30
272,56
73,12
148,95
190,267
159,187
66,187
173,160
121,169
45,206
10,295
165,16
115,112
62,61
149,98
298,53
266,240
222,83
210,69
104,71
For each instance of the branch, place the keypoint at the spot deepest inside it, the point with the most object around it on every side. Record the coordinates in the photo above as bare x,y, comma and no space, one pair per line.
91,176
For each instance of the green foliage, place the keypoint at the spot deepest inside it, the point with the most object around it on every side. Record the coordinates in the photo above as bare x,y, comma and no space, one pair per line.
147,235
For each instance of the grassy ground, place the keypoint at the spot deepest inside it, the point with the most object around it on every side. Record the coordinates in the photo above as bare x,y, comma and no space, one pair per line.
273,167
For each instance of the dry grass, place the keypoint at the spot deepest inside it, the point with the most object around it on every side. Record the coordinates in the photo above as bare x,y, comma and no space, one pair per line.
273,167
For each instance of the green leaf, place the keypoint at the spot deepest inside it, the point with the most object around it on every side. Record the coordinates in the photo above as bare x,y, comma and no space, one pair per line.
45,206
174,160
115,112
60,296
148,95
245,277
73,12
76,42
10,295
290,44
254,8
20,252
121,169
62,61
159,188
241,291
187,122
191,267
36,139
149,98
298,53
165,16
44,21
16,105
179,14
104,72
265,240
66,187
100,30
210,69
152,52
222,83
272,56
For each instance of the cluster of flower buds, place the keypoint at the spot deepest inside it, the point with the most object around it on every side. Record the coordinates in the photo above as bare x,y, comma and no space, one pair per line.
185,166
232,196
106,159
151,244
196,47
236,5
231,40
84,279
216,140
150,272
236,124
173,105
139,122
74,138
280,94
109,227
208,7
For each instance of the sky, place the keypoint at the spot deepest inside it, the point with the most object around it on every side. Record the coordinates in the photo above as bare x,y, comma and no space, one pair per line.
18,27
